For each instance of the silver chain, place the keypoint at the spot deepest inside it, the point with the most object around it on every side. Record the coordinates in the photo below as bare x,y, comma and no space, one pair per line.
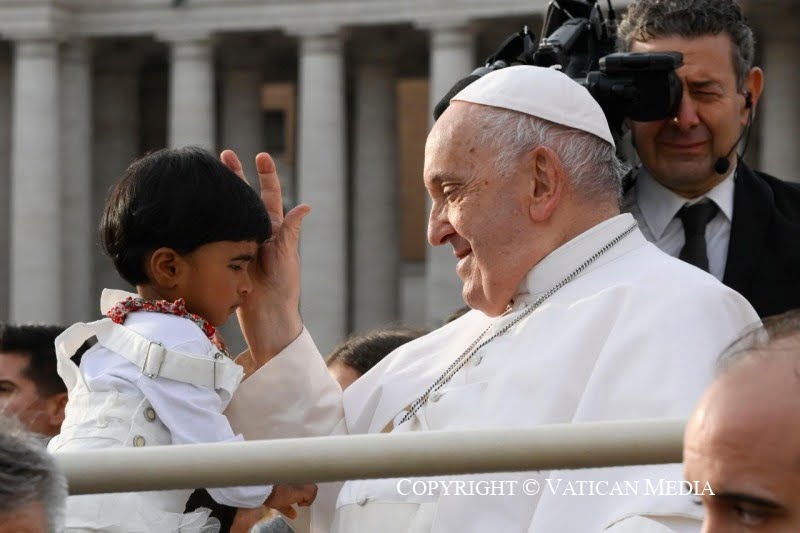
471,350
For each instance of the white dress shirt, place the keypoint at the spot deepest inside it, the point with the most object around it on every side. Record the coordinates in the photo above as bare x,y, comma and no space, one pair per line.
655,208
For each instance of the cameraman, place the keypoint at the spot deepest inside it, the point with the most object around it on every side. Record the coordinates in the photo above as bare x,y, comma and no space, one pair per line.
693,196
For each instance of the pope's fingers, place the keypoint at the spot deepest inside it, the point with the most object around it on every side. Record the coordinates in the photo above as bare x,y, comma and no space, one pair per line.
230,160
265,164
270,187
290,230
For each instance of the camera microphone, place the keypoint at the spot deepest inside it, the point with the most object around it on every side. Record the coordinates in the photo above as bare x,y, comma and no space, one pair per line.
722,164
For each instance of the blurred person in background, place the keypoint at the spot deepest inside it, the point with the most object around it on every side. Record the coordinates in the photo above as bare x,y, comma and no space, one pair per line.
358,354
30,387
32,490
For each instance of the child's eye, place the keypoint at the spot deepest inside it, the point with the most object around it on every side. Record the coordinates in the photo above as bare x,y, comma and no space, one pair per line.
236,267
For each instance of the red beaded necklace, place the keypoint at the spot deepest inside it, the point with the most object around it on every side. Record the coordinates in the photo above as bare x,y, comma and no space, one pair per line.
178,308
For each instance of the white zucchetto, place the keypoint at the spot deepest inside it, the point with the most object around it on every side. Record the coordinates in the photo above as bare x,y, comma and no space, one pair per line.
540,92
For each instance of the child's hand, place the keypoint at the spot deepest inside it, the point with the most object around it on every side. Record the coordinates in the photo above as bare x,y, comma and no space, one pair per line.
246,518
283,496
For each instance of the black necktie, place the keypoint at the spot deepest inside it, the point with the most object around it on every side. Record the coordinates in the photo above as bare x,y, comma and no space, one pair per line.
695,218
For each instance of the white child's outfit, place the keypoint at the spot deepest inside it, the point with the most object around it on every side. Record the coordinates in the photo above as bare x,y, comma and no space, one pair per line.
155,380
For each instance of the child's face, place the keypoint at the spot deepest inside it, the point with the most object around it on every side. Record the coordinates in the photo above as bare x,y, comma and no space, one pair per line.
217,279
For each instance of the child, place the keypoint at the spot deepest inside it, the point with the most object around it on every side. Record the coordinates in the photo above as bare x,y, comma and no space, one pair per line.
182,228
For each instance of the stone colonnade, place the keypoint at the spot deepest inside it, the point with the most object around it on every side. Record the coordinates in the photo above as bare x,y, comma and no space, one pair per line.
61,169
54,172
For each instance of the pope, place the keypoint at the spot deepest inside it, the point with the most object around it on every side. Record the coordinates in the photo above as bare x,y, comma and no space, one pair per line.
575,318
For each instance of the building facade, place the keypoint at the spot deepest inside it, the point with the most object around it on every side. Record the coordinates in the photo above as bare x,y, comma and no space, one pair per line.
339,91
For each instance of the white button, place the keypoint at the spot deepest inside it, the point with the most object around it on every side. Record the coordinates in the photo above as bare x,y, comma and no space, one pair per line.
138,441
362,501
436,396
478,358
150,414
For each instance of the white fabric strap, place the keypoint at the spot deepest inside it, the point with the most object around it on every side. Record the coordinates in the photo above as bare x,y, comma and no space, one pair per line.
216,371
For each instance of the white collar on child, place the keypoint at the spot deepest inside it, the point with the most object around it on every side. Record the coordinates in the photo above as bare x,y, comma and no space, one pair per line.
111,297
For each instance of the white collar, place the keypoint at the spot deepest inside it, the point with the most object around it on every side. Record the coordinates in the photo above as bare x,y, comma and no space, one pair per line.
566,258
659,205
111,297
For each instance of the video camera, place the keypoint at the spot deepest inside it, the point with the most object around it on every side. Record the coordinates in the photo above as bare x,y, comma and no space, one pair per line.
581,42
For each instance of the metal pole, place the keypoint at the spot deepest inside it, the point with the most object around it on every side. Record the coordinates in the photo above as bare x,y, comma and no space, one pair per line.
319,459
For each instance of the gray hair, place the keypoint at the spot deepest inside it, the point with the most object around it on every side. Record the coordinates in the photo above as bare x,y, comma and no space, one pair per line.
649,19
778,336
590,162
28,474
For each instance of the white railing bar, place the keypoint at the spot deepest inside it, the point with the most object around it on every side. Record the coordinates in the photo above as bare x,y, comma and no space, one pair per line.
319,459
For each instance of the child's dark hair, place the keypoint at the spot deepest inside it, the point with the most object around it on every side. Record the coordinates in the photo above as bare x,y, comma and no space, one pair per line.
178,198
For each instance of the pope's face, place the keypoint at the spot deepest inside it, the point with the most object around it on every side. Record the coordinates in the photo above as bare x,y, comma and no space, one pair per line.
680,152
480,214
744,441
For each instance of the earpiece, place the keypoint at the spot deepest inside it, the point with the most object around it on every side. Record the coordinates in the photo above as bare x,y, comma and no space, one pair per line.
722,164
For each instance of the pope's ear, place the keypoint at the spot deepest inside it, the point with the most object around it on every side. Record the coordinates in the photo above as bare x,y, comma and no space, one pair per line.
547,180
165,267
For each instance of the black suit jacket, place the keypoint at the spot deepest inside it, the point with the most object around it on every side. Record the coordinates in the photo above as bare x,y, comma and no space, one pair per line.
763,262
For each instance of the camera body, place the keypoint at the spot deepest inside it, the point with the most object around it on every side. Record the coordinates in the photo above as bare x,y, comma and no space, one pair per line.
581,42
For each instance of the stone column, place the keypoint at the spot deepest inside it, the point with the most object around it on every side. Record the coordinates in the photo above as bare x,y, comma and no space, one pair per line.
376,236
35,183
242,119
322,183
452,58
191,92
780,106
115,132
5,181
77,233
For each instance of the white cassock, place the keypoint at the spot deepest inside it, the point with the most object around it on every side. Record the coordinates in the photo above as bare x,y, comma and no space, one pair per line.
635,335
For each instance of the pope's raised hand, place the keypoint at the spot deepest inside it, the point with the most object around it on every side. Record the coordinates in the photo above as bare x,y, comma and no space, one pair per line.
270,316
